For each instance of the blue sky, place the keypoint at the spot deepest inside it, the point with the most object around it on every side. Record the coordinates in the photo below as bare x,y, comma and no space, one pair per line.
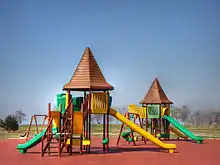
41,43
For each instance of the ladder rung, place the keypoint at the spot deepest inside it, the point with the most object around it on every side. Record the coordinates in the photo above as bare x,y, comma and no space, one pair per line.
54,147
53,142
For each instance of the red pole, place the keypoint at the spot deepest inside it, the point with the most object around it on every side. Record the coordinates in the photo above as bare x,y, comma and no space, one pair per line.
71,127
103,131
59,130
108,123
121,129
89,118
36,125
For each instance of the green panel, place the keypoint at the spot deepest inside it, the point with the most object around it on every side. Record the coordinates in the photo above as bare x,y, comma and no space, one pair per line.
164,135
176,124
77,101
61,99
153,111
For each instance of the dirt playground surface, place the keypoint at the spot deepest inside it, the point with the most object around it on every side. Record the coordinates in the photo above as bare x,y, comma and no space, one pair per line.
188,153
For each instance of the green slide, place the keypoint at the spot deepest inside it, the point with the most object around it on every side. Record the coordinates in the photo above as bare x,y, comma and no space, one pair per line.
33,142
176,124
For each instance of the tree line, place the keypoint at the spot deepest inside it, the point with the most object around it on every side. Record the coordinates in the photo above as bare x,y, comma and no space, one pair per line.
202,117
183,114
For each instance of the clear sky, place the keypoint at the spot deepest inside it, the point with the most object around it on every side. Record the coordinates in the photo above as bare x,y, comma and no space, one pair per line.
41,43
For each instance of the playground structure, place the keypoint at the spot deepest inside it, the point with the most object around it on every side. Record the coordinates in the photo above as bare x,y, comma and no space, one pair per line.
155,116
137,114
69,125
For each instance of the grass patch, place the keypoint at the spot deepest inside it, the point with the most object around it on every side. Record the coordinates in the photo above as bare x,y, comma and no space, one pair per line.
114,129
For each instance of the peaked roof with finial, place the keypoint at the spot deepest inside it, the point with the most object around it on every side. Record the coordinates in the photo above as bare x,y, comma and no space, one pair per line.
88,75
156,95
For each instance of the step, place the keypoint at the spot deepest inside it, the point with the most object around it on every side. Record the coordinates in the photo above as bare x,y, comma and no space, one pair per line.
53,147
53,142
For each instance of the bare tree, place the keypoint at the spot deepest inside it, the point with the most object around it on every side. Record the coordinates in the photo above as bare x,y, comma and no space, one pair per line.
20,116
175,112
192,118
111,118
97,118
122,110
217,118
184,113
201,117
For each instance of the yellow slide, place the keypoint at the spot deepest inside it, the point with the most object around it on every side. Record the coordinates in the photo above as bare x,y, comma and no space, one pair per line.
142,132
178,133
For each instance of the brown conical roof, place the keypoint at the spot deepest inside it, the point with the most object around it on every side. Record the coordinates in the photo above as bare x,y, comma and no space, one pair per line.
156,95
88,75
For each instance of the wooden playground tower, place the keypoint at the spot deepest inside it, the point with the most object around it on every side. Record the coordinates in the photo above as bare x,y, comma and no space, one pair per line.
154,105
88,79
157,104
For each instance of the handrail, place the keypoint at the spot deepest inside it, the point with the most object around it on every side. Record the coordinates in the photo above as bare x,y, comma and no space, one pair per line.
66,127
47,128
42,139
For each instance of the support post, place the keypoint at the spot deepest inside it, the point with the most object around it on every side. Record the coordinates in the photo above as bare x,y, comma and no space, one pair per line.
121,129
89,119
36,125
29,128
71,127
60,127
103,131
132,131
107,124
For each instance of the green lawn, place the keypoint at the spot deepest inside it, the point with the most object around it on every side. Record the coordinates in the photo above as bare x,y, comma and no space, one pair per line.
114,129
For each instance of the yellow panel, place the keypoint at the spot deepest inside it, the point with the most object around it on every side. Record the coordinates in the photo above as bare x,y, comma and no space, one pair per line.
56,118
76,142
166,110
99,102
141,111
78,123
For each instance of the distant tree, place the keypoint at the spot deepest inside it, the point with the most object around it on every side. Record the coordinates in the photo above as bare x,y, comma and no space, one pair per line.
11,123
111,118
209,116
217,118
201,117
192,118
2,123
184,113
122,110
175,112
20,116
97,118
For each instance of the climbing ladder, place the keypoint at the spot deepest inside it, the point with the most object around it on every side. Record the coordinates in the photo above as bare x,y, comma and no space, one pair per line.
56,139
66,131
